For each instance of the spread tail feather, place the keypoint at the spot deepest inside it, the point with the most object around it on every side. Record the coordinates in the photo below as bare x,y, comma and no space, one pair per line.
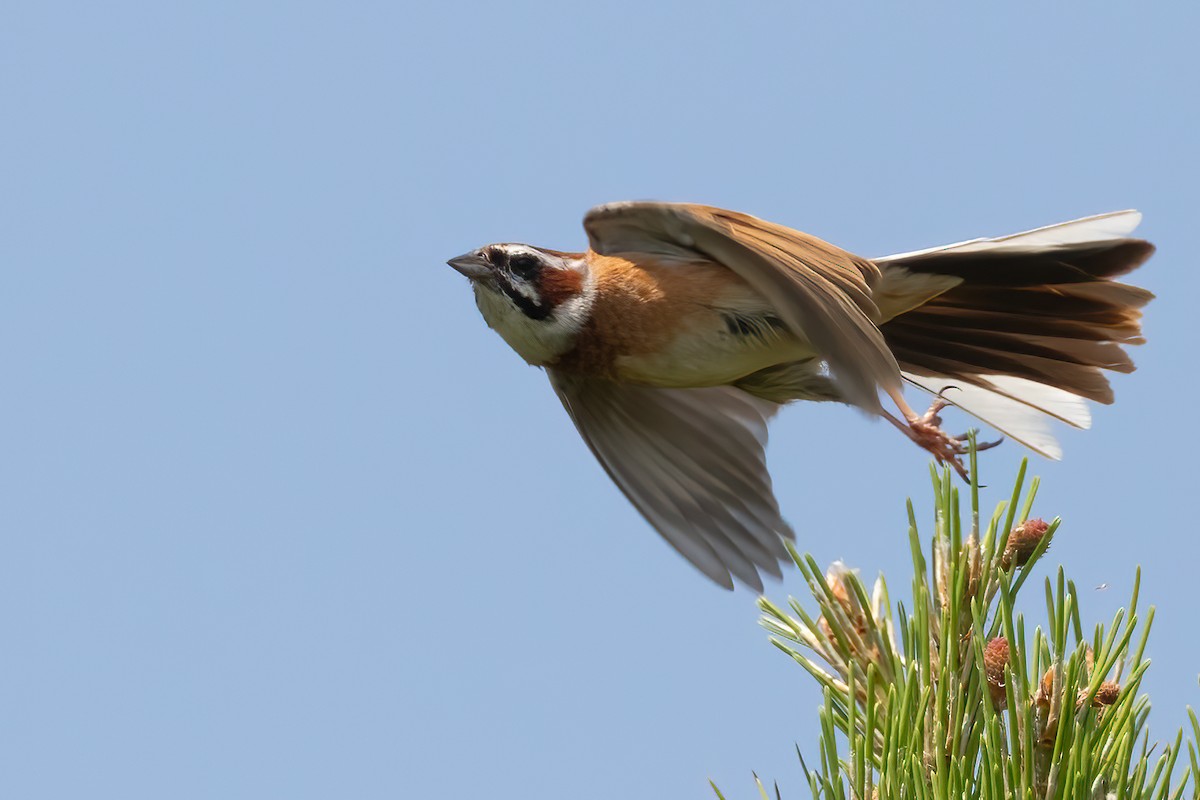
1025,325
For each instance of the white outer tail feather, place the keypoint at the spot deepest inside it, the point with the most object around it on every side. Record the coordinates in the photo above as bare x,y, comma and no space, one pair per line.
1100,228
1020,409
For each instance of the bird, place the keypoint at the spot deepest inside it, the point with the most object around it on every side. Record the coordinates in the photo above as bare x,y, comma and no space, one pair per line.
677,335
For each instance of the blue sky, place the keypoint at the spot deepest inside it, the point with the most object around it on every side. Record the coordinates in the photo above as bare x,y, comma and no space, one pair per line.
282,518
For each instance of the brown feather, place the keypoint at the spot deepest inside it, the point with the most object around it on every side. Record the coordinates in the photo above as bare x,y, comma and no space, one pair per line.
1052,316
640,308
556,286
1068,264
1116,327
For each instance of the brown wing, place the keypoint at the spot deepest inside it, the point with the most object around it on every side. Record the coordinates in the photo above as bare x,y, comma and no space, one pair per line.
822,293
692,462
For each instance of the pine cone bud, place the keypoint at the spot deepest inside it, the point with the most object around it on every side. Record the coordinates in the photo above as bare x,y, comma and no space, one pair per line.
1022,541
1106,695
835,577
995,657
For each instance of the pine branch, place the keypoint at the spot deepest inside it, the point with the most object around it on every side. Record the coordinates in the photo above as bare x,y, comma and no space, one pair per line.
951,698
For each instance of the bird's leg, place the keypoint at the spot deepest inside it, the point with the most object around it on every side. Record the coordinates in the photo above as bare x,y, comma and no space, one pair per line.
926,430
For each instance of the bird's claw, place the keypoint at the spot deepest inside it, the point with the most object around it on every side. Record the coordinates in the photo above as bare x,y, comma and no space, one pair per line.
926,431
979,446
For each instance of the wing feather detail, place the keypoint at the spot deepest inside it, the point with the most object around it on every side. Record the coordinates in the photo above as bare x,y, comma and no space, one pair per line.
693,462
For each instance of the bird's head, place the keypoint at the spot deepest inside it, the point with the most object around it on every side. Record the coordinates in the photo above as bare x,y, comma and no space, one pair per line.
537,300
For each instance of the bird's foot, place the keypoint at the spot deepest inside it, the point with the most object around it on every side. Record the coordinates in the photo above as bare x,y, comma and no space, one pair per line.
926,431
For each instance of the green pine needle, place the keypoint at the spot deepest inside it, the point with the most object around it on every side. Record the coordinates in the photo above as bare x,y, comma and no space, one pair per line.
947,697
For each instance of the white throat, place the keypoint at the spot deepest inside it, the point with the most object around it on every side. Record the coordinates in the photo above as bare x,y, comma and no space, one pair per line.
539,342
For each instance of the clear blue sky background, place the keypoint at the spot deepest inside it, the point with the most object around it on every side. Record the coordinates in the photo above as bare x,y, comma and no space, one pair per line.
282,518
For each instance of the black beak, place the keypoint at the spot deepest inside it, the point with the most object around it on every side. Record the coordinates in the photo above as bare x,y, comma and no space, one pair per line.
471,264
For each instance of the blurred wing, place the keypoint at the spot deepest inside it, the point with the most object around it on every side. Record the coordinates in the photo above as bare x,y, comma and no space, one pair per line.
822,293
692,462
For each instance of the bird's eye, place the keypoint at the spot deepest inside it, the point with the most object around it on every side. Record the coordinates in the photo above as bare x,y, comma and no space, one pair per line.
523,265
